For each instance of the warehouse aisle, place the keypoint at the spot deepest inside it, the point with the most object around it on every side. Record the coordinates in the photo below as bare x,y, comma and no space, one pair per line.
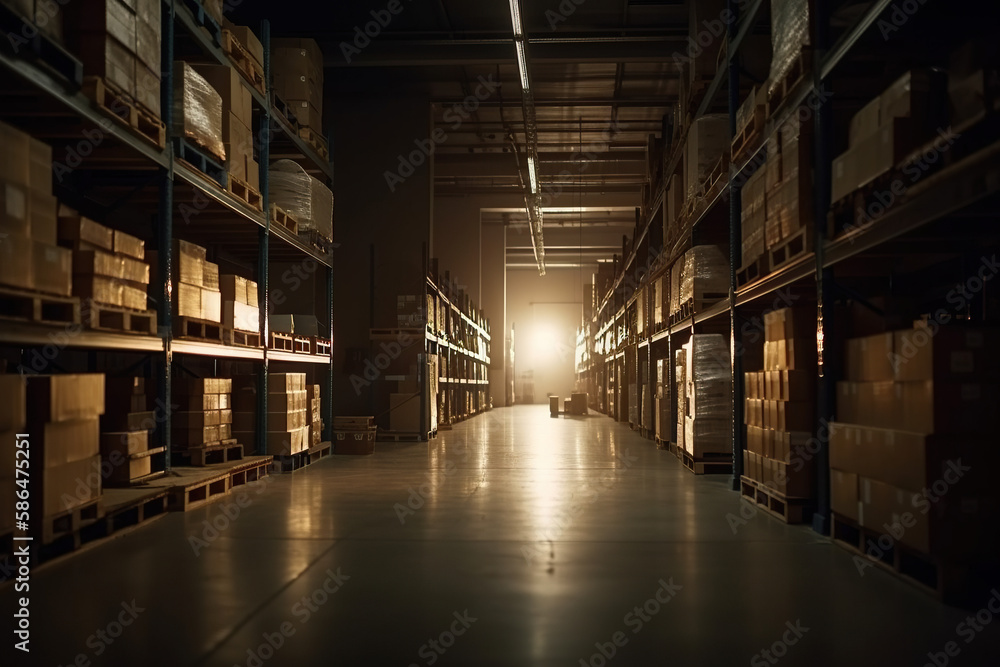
515,539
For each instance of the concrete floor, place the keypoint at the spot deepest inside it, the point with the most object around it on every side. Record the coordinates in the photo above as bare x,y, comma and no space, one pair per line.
548,532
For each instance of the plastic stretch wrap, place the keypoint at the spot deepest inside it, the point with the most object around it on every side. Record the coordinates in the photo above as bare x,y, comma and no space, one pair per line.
708,427
706,272
680,372
198,110
790,21
303,197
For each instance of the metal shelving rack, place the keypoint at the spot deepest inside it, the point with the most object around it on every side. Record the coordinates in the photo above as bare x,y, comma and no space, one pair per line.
954,188
71,108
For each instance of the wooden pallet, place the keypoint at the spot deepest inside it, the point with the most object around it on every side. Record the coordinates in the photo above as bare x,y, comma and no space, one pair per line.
800,70
134,511
245,193
789,510
120,106
189,328
316,241
750,134
285,113
320,451
943,579
99,317
247,65
709,464
70,524
302,345
117,479
192,495
286,463
205,164
753,271
322,346
199,457
250,472
317,141
801,243
282,342
236,338
24,306
353,423
280,218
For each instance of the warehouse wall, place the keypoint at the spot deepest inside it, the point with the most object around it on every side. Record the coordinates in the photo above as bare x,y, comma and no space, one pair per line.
369,136
545,311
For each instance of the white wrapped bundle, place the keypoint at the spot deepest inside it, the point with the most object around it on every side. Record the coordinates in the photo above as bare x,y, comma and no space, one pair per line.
302,197
706,272
790,21
198,110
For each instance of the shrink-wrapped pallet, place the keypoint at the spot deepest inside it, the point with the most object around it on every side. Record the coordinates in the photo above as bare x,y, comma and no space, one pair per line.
197,110
790,22
705,274
302,197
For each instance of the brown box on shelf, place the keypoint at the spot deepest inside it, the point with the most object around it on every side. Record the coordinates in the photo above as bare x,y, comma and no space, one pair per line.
286,382
793,480
307,115
298,70
286,421
197,420
53,269
844,494
68,441
233,288
190,263
125,444
865,122
869,359
130,246
40,167
15,214
287,443
42,216
147,89
13,409
78,231
70,485
236,97
106,57
16,166
107,265
946,353
131,469
56,398
16,255
203,386
188,300
198,402
211,306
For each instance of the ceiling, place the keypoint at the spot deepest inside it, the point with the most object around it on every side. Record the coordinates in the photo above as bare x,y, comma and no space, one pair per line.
602,73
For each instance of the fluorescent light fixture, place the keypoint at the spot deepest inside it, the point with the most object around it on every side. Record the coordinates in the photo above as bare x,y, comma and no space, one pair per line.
522,65
533,175
515,16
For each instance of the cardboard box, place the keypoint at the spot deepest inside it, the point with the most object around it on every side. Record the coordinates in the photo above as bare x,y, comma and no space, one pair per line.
53,269
130,246
107,265
280,383
298,70
866,122
126,444
908,97
198,402
708,139
285,444
188,299
844,494
148,85
211,306
40,168
203,386
189,260
76,231
67,441
14,406
794,480
870,359
42,215
240,317
307,114
16,166
70,485
103,55
15,205
56,398
236,97
197,420
16,262
948,353
286,421
195,437
233,288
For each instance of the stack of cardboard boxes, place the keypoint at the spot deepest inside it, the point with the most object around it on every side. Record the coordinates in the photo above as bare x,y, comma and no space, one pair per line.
240,304
754,214
788,183
708,140
663,399
125,431
298,79
237,117
29,258
288,417
108,266
63,420
119,41
914,445
885,131
205,416
708,394
315,404
781,406
197,284
680,382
